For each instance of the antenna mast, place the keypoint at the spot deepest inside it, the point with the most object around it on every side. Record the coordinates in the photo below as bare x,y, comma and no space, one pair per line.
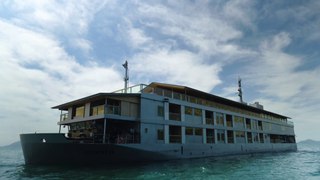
240,90
126,77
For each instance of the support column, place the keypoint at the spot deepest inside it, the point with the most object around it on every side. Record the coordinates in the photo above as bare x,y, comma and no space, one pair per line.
215,136
166,134
105,122
203,116
60,121
87,110
246,137
226,136
183,134
104,130
166,110
182,113
204,136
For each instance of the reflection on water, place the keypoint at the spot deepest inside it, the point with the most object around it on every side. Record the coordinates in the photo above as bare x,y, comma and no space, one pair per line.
294,165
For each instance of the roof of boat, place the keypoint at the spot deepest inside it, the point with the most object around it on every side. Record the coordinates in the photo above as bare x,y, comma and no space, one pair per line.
176,88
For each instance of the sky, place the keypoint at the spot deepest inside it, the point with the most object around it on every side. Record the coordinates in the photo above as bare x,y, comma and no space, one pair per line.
52,52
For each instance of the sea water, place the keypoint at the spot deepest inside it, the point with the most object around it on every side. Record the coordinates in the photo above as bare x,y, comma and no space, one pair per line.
303,164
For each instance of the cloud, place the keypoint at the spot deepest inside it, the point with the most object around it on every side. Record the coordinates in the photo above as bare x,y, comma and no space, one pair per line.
176,67
284,88
36,74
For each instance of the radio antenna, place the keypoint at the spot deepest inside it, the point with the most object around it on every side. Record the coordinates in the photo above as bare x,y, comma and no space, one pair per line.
126,76
240,90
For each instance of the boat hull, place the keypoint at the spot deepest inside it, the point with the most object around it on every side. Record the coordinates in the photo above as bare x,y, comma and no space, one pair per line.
56,149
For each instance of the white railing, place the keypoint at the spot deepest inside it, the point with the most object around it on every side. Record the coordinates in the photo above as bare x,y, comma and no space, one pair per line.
133,89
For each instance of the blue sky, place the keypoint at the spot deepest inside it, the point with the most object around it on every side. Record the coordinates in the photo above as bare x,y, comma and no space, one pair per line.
52,52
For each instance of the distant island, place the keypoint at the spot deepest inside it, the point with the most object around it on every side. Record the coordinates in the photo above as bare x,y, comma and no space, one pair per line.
15,145
309,141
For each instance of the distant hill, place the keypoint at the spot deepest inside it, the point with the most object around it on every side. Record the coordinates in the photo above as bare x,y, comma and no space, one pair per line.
309,145
309,141
15,145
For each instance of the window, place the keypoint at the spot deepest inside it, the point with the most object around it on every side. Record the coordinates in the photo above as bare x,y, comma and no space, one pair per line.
248,123
174,134
79,111
249,137
174,112
255,137
160,111
240,134
260,125
197,112
238,119
97,107
210,135
198,131
229,120
261,138
209,117
219,119
189,131
160,134
188,110
230,136
220,136
97,110
113,106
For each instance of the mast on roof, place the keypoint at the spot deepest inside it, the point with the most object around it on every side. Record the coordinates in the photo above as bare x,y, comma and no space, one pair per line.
240,90
126,76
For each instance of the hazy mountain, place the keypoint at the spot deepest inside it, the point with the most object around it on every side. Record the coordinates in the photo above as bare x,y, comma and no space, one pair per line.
15,145
309,145
309,141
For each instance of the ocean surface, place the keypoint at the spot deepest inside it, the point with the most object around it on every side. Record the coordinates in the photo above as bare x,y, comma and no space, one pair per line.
303,164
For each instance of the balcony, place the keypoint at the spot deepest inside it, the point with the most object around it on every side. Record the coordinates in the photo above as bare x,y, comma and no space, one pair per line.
113,110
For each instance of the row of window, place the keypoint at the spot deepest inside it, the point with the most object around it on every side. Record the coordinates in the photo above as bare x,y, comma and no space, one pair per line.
98,108
183,97
211,117
240,136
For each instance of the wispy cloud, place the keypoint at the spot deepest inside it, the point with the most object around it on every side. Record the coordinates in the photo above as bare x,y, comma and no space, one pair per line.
55,51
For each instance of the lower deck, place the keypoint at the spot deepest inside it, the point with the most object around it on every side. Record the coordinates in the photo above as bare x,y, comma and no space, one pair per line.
56,149
115,131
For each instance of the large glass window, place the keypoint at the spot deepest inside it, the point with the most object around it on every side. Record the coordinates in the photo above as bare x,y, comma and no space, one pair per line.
197,112
248,123
220,136
79,111
188,110
229,120
249,137
174,112
160,134
219,119
198,131
209,117
189,131
175,134
230,136
113,106
97,108
239,121
160,111
210,135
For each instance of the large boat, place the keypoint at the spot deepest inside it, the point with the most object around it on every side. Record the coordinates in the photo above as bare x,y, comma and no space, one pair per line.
157,122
